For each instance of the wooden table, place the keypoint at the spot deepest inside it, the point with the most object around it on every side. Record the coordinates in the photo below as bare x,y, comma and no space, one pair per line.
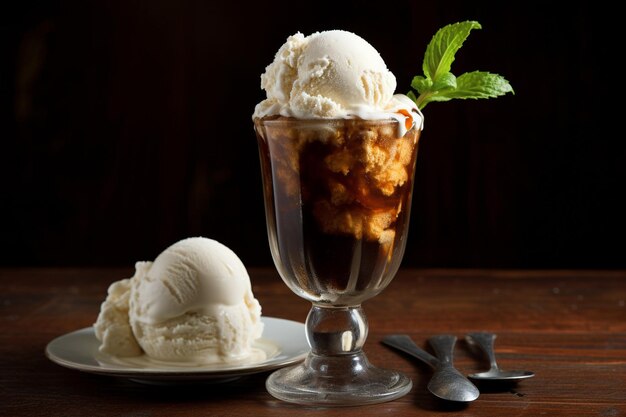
569,327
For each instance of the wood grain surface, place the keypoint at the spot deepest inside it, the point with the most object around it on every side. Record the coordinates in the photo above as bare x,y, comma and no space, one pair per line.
569,327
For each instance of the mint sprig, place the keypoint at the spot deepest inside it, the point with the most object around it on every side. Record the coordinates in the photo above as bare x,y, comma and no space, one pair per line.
439,84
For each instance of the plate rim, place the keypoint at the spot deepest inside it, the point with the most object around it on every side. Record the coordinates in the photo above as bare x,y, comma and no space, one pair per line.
187,373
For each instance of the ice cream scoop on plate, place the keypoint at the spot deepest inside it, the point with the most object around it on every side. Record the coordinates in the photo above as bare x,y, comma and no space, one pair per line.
194,303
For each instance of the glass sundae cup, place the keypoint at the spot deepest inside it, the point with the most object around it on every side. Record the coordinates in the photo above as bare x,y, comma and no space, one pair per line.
337,198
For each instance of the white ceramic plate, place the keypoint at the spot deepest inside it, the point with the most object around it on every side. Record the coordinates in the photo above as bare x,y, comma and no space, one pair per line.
283,340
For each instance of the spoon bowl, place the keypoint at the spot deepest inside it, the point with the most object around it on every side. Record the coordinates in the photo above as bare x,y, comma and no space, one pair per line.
485,342
449,384
502,375
446,382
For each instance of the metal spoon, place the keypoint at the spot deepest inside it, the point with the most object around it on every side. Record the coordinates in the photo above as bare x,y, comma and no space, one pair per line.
485,342
446,383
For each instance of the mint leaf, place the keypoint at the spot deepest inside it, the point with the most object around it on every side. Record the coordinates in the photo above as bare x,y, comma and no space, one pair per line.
479,84
439,84
437,97
421,84
443,46
445,82
412,96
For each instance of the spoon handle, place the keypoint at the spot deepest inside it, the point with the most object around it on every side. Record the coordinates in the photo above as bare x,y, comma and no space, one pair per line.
484,341
404,343
443,345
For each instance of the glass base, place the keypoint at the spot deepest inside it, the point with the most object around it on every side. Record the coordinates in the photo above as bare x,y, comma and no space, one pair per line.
342,380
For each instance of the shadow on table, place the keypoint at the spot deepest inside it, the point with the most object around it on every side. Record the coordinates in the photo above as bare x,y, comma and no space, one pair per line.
196,391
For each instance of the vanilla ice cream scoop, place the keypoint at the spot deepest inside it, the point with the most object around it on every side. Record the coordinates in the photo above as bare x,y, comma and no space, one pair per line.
333,75
328,74
194,303
113,326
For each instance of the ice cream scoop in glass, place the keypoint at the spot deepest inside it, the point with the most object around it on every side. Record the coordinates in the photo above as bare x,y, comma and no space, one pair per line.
337,198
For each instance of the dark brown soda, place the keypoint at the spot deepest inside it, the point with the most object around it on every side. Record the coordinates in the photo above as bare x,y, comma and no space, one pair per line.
337,222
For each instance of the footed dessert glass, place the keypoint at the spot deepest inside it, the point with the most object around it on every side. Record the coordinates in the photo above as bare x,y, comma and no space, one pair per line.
337,200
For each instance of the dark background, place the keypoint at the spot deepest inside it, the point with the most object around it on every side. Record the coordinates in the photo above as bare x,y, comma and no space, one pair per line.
126,125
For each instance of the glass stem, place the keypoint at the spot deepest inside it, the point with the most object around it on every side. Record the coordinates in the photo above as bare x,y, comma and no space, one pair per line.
335,331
